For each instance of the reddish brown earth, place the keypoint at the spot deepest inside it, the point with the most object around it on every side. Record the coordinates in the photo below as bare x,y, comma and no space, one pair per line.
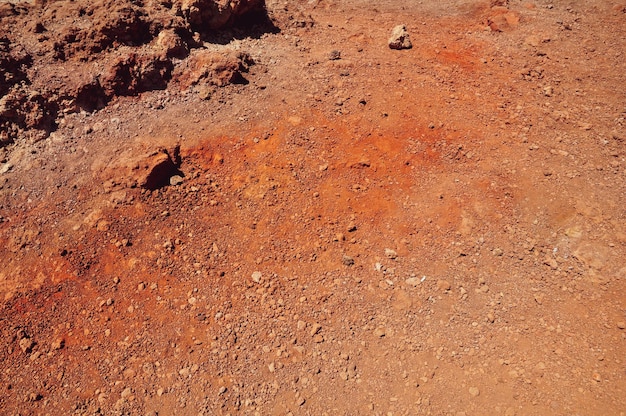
350,229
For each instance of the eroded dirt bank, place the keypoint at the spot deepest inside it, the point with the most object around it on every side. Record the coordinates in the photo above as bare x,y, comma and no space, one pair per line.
287,216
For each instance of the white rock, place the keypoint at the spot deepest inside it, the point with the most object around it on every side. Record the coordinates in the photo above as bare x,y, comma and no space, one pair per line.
400,38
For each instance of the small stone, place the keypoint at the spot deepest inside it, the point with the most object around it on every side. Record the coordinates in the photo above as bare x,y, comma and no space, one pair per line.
474,391
300,401
443,285
391,253
256,277
334,55
315,329
126,392
621,325
160,392
548,91
400,38
271,367
58,344
301,325
380,332
412,281
176,180
26,344
597,377
347,261
318,339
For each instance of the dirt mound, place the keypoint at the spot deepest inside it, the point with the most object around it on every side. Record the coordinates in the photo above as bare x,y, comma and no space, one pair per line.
71,56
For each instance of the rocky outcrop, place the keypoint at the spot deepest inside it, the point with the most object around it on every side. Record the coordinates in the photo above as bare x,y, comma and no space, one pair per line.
85,54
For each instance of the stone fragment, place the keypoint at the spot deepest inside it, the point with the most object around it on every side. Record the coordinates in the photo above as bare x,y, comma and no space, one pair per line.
390,253
412,281
58,344
400,38
26,344
443,285
176,180
315,329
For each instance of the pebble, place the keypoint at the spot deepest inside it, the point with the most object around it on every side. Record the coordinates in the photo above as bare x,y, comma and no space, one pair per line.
474,391
347,261
380,332
315,329
412,281
26,344
58,344
400,38
443,285
256,277
391,253
621,325
176,180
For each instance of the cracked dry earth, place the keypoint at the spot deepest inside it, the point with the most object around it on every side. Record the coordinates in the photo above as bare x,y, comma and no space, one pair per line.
346,230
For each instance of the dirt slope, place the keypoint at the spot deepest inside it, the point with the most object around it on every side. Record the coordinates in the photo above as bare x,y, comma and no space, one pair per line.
293,218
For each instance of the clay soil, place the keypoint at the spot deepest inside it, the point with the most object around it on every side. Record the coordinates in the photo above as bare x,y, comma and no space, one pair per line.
282,215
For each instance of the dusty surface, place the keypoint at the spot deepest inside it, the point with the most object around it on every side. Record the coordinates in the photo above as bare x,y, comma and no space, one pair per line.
299,219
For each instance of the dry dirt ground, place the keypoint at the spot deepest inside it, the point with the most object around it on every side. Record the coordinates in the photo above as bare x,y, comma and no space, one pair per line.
289,217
